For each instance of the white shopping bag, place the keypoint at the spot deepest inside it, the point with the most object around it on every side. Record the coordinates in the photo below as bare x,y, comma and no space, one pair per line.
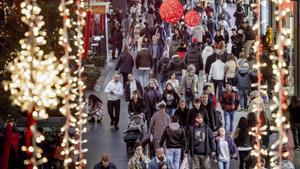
185,163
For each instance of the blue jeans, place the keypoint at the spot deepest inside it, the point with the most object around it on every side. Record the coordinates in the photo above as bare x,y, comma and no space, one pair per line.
243,93
223,165
144,76
170,111
174,155
229,120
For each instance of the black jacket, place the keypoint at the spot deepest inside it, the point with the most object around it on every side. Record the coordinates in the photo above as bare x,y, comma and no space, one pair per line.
171,98
249,33
100,166
128,92
192,113
294,110
194,57
116,37
136,107
209,61
176,65
182,114
163,66
195,143
210,116
174,137
125,63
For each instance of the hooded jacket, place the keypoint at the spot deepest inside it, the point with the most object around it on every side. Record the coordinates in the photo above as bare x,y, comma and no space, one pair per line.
174,136
243,78
232,147
125,63
194,57
176,65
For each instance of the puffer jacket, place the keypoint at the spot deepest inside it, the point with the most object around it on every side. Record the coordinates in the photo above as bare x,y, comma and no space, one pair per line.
176,65
174,135
194,57
243,78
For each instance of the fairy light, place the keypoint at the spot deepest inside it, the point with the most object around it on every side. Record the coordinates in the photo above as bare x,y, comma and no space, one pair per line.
67,92
80,114
280,71
35,81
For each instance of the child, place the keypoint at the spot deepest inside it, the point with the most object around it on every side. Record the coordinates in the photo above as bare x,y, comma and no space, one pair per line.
95,108
226,149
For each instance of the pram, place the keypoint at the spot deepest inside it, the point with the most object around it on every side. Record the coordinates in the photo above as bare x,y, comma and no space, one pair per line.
134,132
94,108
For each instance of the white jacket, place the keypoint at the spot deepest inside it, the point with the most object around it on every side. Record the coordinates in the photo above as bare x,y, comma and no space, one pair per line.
207,51
217,70
116,88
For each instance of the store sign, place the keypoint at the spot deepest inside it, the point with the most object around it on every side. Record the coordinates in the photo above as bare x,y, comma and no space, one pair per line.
99,9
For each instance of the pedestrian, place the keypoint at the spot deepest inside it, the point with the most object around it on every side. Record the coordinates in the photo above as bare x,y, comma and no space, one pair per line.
132,85
218,37
126,26
243,83
241,60
114,90
144,63
159,122
244,142
197,108
216,75
138,160
176,65
229,103
207,51
175,43
294,109
182,112
225,149
117,44
200,143
105,162
230,69
136,104
163,69
124,65
190,85
207,89
193,56
171,98
237,41
151,98
197,33
181,51
95,106
160,160
210,117
239,15
154,50
174,82
249,37
150,17
174,136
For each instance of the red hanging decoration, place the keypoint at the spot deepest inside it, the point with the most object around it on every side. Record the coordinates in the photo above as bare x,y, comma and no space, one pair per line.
192,18
87,33
171,11
4,158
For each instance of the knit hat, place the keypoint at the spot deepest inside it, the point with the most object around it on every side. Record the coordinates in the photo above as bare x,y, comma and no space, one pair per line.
195,40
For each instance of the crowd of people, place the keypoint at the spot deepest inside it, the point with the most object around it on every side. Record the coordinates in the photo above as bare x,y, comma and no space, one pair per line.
185,76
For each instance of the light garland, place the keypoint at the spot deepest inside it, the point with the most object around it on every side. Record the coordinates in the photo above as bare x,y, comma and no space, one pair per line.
80,114
280,71
67,92
258,131
35,82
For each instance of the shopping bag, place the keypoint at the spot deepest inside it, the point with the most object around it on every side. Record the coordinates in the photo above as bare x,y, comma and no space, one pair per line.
185,163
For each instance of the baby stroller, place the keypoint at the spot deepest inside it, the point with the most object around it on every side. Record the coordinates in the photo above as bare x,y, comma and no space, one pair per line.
134,132
94,108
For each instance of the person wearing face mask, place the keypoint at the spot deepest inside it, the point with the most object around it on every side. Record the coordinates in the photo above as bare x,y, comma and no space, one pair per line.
105,163
160,158
138,160
114,89
190,84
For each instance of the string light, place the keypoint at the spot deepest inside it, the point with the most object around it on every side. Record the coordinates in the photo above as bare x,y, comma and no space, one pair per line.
35,82
80,114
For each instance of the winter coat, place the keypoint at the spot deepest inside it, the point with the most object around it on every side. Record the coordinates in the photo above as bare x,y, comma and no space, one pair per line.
230,69
192,113
194,57
136,107
150,19
239,17
176,65
198,32
182,114
294,110
243,78
159,121
210,115
151,98
211,26
100,166
125,63
138,163
174,135
242,138
128,92
219,38
195,144
249,33
191,82
163,67
144,59
207,51
229,101
117,37
237,41
171,98
175,44
232,147
209,61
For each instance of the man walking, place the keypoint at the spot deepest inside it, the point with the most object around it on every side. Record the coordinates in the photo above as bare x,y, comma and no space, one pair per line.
114,89
200,144
144,63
